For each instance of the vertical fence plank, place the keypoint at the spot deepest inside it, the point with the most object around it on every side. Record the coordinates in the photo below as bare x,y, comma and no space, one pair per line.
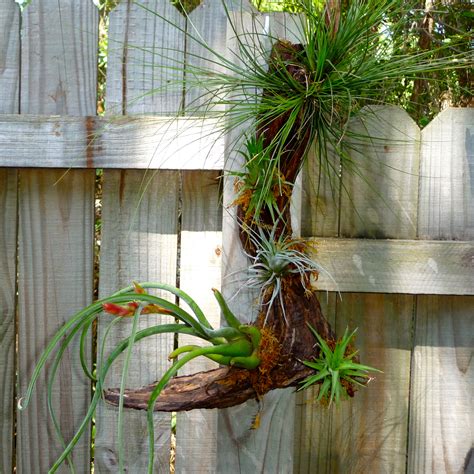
140,212
369,433
139,242
269,448
201,235
312,421
206,27
9,100
386,160
440,436
9,57
447,177
376,441
384,203
8,211
145,58
200,270
56,224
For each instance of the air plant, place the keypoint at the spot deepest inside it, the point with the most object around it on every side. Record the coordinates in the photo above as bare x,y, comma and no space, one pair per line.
255,190
336,369
234,345
294,94
277,258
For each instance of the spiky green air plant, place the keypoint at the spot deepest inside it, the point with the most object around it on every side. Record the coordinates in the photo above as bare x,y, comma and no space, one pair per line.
300,93
337,369
275,259
236,345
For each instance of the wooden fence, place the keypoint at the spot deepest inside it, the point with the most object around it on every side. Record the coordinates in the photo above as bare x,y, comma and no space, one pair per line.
398,243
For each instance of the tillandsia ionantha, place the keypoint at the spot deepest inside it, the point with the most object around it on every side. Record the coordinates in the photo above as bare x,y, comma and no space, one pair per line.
336,369
306,93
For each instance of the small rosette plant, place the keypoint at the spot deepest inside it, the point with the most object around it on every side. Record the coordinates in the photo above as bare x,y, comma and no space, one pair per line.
336,369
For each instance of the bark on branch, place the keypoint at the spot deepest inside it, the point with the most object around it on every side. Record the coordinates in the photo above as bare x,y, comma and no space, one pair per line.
286,337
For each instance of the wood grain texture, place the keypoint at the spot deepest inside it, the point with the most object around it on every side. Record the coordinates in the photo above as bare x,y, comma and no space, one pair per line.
236,444
142,207
270,448
369,433
58,64
201,232
110,142
447,177
441,423
145,58
377,202
380,194
8,236
9,103
139,243
55,281
206,26
312,421
320,195
440,437
58,76
396,266
200,270
9,57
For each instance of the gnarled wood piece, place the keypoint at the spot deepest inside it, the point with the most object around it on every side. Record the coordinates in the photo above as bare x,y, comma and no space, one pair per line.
225,387
281,365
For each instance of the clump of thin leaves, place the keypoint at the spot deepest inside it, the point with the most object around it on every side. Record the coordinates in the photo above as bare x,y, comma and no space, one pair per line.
345,62
277,258
336,369
256,190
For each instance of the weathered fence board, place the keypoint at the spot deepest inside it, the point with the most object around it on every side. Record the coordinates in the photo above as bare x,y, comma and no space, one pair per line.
145,58
143,207
55,281
56,216
447,187
383,203
355,435
201,230
9,57
386,157
369,433
270,447
200,271
139,243
440,436
110,142
9,101
313,422
395,266
8,239
413,418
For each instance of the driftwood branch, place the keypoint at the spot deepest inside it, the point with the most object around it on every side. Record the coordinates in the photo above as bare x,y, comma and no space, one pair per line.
286,341
286,337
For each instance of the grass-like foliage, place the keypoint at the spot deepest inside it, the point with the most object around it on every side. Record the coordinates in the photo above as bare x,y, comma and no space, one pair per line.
336,369
342,63
254,187
233,345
